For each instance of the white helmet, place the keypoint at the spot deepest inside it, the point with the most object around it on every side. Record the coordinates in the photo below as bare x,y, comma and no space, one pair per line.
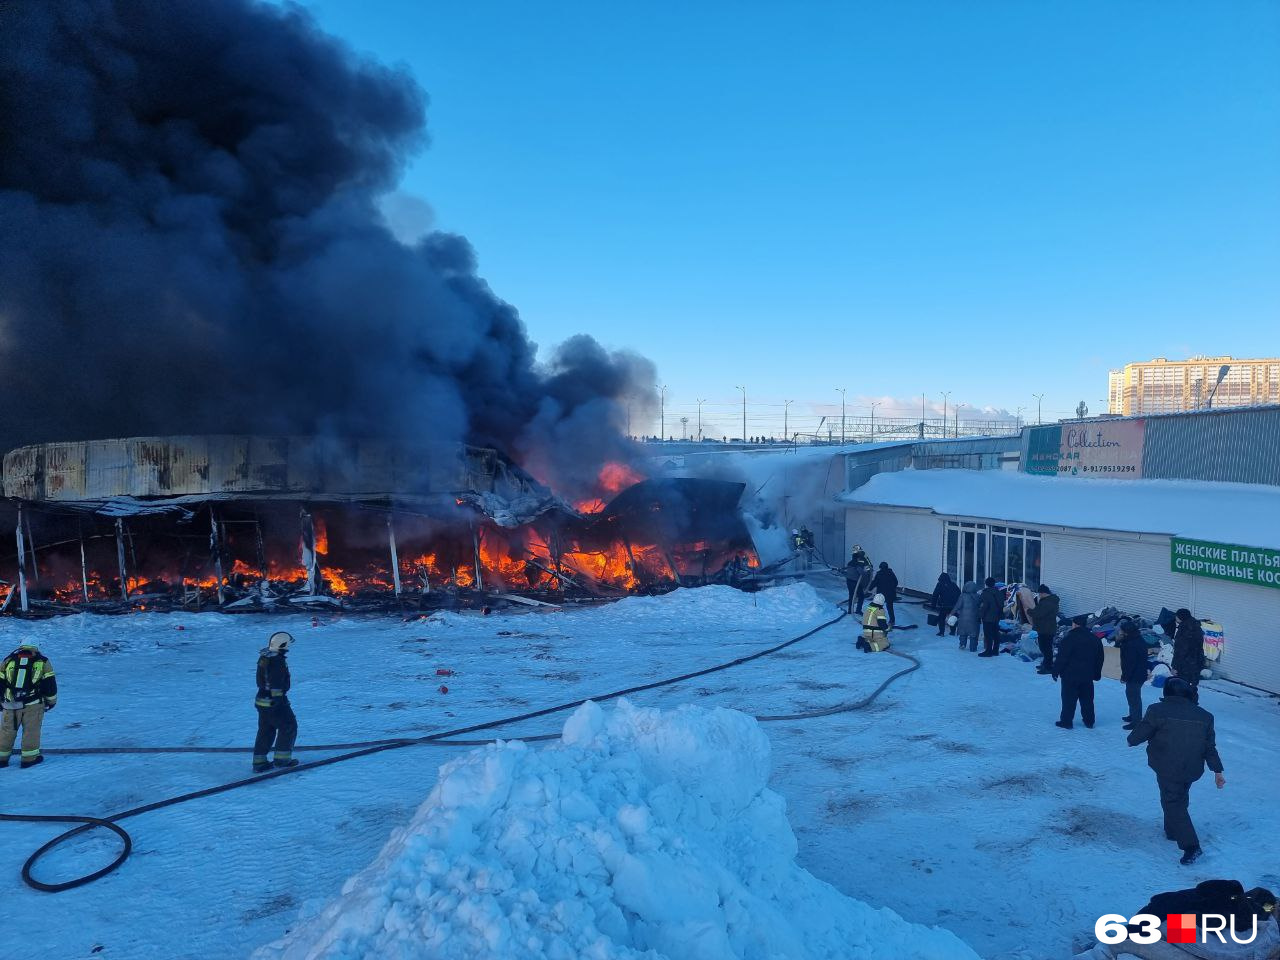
279,642
878,599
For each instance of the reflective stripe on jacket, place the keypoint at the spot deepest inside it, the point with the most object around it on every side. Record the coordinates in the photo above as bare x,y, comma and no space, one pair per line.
26,677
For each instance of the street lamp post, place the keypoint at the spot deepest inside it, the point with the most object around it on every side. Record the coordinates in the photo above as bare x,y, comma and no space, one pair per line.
945,394
1039,397
744,413
873,420
700,403
662,414
684,428
958,406
842,399
1018,416
786,405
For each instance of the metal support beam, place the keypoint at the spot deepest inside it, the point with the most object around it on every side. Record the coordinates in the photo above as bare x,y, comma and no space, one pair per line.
215,552
475,543
310,562
395,557
84,568
22,565
124,575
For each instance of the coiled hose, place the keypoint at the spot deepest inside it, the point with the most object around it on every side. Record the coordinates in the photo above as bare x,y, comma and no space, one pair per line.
368,748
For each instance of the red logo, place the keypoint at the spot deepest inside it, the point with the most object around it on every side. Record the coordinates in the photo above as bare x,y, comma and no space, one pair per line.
1180,928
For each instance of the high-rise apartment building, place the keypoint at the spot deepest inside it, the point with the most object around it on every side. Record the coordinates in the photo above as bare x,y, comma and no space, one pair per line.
1168,386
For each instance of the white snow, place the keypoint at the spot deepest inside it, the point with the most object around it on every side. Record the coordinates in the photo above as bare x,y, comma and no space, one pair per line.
643,833
952,801
1242,513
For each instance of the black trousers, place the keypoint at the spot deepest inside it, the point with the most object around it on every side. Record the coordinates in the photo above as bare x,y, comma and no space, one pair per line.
888,605
860,596
1133,692
853,593
1046,650
942,622
1073,692
1175,798
276,725
991,636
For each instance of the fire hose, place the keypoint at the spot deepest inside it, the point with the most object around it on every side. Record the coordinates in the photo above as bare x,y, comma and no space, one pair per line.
370,747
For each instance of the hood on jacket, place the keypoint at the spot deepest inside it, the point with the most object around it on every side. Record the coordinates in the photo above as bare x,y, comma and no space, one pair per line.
970,587
944,578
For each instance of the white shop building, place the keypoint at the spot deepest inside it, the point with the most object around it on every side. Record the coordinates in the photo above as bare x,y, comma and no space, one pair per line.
1138,544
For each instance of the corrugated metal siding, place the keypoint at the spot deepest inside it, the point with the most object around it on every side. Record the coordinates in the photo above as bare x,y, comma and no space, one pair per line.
912,543
1250,618
1239,445
194,465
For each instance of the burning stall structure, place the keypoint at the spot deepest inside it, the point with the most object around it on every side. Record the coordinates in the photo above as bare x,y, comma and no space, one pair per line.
250,523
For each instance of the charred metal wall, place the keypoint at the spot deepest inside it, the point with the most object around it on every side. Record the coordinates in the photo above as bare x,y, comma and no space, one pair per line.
224,464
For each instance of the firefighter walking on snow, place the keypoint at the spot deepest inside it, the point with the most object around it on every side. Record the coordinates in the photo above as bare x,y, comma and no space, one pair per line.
276,723
28,690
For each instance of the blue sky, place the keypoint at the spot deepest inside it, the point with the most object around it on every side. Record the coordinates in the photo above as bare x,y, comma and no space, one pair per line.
991,198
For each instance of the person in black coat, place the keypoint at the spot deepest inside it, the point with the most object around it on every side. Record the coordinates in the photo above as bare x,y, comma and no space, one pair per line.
1188,647
945,595
1133,668
1180,741
990,607
886,582
1078,665
857,576
1044,620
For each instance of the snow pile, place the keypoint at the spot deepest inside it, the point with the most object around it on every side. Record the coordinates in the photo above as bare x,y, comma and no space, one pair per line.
642,834
794,605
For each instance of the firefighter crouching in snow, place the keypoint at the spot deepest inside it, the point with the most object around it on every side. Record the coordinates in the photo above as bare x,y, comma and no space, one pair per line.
276,723
875,627
28,690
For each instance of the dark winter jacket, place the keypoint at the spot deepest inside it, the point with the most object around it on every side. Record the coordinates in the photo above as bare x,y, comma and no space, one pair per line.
857,570
1133,657
945,594
273,678
990,604
966,611
1044,616
885,581
1079,657
1180,740
1188,650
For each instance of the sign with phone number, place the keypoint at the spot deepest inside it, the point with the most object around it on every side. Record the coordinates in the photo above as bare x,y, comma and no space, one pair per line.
1087,448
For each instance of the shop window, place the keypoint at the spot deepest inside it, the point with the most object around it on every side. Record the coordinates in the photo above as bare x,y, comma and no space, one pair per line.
973,551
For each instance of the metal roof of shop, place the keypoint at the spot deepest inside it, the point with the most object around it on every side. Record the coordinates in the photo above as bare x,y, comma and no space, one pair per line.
1241,513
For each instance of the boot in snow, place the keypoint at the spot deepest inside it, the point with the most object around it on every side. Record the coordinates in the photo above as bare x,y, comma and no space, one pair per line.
1191,856
31,761
292,762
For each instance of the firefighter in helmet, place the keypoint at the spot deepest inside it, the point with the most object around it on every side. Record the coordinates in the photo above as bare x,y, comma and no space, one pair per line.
28,690
276,723
875,627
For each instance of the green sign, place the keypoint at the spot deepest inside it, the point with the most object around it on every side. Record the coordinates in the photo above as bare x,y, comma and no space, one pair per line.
1226,561
1044,450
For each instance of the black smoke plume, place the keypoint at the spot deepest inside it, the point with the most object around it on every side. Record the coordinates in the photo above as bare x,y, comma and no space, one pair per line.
191,242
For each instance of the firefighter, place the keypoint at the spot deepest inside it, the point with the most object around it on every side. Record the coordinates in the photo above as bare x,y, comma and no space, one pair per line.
28,690
276,723
875,627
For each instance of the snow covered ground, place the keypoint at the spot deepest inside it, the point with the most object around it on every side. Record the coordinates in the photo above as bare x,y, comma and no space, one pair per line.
953,800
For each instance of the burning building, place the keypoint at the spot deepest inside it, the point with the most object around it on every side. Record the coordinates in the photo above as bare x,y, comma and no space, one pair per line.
240,523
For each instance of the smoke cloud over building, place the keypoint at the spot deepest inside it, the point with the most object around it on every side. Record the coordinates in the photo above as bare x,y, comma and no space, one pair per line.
192,240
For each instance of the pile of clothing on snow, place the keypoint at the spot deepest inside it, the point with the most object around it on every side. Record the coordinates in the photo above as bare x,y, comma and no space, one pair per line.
1022,641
